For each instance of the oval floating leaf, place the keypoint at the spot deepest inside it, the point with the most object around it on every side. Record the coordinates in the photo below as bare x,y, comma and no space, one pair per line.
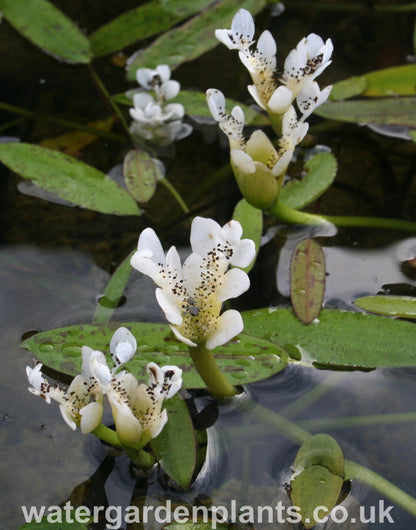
68,178
141,174
251,219
320,174
387,111
47,27
175,448
319,476
307,280
244,360
192,39
333,342
392,306
141,23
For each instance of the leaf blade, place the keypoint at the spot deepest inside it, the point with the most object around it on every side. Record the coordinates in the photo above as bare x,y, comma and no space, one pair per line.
48,28
68,178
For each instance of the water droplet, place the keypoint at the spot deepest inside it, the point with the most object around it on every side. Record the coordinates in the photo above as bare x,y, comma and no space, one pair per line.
300,291
71,350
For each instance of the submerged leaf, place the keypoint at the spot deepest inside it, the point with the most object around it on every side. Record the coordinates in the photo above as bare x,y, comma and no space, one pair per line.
192,39
320,173
141,174
68,178
307,280
47,27
244,360
141,23
175,448
393,306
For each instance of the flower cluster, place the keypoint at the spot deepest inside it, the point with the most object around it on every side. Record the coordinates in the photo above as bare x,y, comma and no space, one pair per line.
303,64
136,408
191,295
153,120
260,168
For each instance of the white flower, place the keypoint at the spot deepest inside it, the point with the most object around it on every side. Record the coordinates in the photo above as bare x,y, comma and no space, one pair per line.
191,295
80,404
231,124
301,67
153,120
137,408
159,81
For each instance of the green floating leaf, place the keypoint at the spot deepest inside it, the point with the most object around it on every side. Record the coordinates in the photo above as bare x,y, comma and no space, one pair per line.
394,81
141,174
320,174
244,360
141,23
251,219
393,306
319,475
341,339
68,178
192,39
307,280
176,447
386,111
47,27
113,292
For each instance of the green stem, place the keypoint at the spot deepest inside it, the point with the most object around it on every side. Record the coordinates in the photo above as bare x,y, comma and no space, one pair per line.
107,435
108,99
174,192
289,215
210,373
140,458
353,470
60,121
377,482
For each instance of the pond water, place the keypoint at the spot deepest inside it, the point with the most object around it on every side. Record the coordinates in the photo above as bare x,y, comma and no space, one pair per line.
56,261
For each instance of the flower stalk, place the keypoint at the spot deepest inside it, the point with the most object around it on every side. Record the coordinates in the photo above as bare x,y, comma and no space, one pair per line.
210,372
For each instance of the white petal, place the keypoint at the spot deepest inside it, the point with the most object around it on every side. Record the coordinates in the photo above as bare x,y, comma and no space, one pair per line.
173,376
234,283
174,111
280,100
244,253
128,427
256,96
282,164
142,99
266,46
225,37
34,376
242,25
123,345
170,89
158,424
232,232
170,306
230,324
163,71
205,235
216,103
88,355
144,77
91,416
179,336
242,161
101,372
67,416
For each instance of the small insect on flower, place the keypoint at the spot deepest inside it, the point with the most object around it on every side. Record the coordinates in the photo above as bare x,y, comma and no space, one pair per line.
191,308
